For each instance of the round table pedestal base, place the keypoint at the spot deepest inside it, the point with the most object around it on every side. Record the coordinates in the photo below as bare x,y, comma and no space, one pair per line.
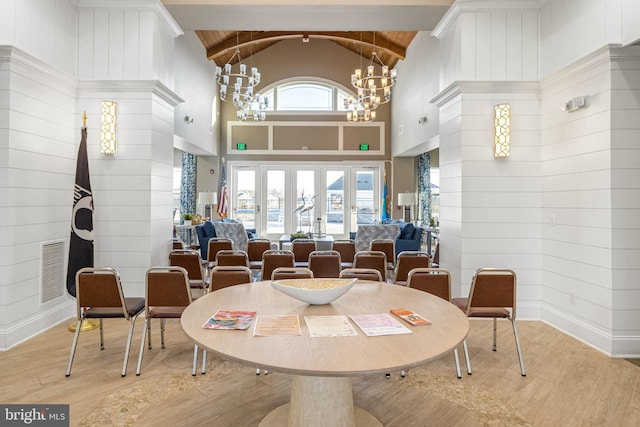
279,417
320,402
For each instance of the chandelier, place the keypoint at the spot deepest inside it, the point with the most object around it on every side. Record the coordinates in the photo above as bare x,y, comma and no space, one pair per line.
255,108
359,112
241,83
374,85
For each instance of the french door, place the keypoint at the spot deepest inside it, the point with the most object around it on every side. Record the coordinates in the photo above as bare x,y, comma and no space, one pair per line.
280,199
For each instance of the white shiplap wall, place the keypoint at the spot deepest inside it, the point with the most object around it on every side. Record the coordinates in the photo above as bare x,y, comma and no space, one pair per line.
625,195
584,266
490,209
39,131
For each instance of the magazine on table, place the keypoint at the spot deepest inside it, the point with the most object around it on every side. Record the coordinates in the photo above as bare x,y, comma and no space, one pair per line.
379,324
230,319
411,316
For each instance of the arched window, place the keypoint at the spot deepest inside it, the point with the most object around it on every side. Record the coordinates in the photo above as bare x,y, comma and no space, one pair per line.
306,95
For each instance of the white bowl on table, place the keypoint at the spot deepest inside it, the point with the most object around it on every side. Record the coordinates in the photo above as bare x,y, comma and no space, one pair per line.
314,291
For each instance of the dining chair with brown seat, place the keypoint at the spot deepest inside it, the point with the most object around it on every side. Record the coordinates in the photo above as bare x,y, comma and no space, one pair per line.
407,261
388,246
301,249
372,259
255,249
189,259
362,274
436,282
223,276
493,296
167,294
215,245
232,258
274,258
282,273
347,250
325,264
99,296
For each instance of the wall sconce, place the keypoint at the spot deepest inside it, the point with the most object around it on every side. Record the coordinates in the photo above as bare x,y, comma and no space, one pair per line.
574,104
108,128
408,200
502,131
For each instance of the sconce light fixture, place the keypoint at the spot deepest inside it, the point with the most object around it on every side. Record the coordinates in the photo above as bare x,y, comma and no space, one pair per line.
574,104
502,131
108,128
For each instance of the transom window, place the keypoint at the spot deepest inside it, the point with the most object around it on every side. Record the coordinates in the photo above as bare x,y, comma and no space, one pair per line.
311,96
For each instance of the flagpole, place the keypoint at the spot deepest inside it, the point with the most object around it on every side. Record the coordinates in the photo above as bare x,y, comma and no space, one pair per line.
87,324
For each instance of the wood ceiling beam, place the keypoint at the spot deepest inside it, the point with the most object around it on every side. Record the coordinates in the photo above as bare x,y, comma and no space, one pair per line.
368,40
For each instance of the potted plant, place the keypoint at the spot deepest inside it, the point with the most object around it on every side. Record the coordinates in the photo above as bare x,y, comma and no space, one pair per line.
187,218
299,235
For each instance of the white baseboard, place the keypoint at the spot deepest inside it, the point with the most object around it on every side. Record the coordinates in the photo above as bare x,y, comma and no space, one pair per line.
65,311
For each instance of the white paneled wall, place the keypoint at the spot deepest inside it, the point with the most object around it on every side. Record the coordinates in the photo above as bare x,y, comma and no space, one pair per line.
577,267
417,84
39,142
480,43
625,195
573,29
127,41
133,190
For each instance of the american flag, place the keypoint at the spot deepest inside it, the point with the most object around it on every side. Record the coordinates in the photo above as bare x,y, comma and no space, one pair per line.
223,205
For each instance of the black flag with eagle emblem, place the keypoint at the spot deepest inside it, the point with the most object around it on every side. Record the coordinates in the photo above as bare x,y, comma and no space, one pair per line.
81,242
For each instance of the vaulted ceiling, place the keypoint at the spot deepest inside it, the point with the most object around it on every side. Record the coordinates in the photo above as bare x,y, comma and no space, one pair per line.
390,46
384,26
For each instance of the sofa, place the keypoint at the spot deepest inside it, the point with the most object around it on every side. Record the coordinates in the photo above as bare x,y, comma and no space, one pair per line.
408,237
207,231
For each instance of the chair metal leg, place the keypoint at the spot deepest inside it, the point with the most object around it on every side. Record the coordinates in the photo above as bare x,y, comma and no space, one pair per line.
144,332
73,348
204,362
457,360
466,356
126,351
495,332
148,329
101,336
195,360
403,373
515,334
162,326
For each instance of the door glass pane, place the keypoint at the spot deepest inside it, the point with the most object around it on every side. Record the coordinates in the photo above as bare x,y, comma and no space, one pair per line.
334,203
275,202
246,198
305,201
365,212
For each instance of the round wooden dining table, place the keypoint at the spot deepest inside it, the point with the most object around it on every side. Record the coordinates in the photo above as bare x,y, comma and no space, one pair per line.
322,367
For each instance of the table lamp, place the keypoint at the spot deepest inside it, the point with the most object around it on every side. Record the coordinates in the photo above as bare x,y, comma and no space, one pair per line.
408,200
206,200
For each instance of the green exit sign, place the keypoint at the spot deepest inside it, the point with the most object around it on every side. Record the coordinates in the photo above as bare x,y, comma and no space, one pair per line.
241,146
364,147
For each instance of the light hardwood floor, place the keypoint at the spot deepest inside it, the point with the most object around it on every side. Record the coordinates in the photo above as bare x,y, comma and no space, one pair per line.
567,383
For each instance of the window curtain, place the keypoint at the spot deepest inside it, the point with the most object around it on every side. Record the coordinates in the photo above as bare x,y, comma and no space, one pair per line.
424,188
188,184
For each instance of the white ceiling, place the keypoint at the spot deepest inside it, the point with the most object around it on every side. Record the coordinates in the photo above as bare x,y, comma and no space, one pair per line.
325,15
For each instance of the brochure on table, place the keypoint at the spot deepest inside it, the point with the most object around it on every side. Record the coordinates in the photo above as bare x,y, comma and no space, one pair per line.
269,325
230,319
411,316
330,326
379,324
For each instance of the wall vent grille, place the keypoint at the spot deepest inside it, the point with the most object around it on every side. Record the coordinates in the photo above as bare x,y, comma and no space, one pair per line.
52,278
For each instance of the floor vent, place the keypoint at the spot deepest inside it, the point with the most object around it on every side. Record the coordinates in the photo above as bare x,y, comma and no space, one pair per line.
52,283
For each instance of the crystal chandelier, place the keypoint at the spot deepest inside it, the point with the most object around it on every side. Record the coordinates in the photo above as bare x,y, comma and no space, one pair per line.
255,108
237,79
374,86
